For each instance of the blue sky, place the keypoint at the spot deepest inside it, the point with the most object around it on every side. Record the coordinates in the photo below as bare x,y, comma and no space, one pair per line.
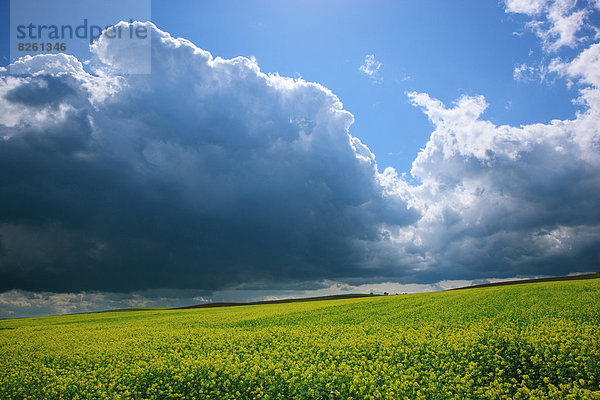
237,175
443,48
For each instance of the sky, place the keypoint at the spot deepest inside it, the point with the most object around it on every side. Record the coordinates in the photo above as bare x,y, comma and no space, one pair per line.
286,149
446,48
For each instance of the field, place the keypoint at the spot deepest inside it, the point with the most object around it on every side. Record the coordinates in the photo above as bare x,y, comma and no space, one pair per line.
539,340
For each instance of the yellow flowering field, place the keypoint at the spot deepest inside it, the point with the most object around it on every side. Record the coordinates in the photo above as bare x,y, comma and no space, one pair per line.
529,341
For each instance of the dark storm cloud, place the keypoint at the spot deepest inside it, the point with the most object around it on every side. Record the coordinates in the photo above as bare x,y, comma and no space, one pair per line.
202,178
209,174
40,91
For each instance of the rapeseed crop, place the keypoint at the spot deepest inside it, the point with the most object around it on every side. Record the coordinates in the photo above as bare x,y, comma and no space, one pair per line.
525,341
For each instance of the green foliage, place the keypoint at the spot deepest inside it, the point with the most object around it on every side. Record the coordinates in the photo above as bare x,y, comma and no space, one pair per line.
525,341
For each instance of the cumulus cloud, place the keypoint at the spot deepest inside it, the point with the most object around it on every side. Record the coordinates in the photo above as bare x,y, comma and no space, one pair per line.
500,198
371,66
559,23
204,174
208,174
583,68
529,7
